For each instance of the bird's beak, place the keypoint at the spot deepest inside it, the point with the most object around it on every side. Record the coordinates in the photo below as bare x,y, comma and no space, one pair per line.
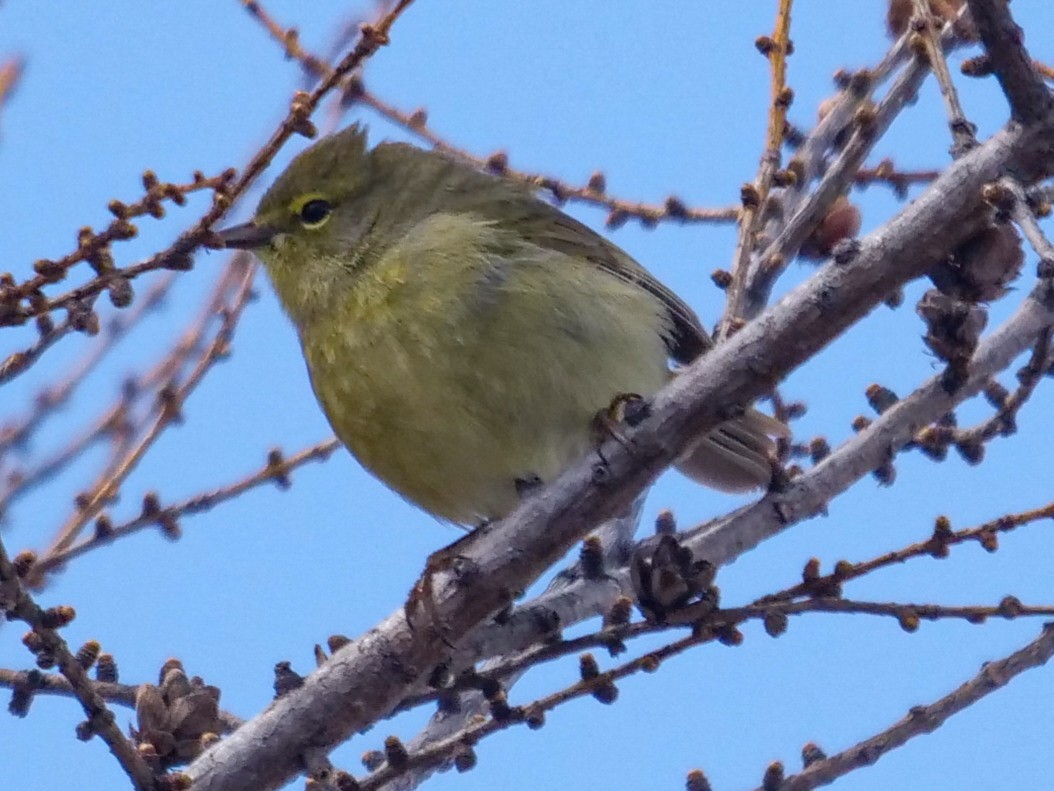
247,236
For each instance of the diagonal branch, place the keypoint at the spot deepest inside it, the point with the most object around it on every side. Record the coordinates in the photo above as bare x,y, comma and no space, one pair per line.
755,195
926,719
16,603
1029,98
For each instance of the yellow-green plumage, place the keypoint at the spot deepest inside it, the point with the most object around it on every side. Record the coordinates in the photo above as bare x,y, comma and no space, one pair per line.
460,333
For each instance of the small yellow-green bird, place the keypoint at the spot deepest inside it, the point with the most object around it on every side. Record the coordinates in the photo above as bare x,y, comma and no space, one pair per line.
462,335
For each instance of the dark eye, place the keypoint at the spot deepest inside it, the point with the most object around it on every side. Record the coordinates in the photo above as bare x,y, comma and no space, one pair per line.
315,212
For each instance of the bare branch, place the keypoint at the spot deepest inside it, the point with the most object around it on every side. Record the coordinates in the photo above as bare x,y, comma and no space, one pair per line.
1029,97
925,719
754,196
16,603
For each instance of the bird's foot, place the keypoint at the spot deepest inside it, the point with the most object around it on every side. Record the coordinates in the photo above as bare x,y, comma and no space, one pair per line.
625,409
421,608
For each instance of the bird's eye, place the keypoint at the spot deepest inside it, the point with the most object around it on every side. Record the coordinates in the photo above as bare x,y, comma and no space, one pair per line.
315,212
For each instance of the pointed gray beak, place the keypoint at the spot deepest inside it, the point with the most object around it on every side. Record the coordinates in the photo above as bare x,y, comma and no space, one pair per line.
247,236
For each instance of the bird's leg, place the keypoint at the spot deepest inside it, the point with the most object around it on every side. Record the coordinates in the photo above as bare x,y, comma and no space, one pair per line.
629,409
452,558
528,485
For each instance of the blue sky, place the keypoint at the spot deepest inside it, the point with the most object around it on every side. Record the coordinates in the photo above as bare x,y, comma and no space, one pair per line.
664,99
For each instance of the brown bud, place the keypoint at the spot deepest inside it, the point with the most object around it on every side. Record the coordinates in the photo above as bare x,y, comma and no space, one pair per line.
498,162
841,222
775,623
722,278
464,759
773,778
810,754
908,619
588,667
395,752
57,617
88,653
106,669
696,781
418,119
811,572
24,562
597,183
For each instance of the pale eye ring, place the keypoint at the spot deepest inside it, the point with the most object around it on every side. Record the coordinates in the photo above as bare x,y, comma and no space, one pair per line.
315,212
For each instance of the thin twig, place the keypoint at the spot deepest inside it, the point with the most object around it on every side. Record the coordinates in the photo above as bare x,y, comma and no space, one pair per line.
173,399
277,470
925,719
937,545
929,33
18,604
712,625
116,419
94,248
756,195
297,121
18,432
591,194
289,38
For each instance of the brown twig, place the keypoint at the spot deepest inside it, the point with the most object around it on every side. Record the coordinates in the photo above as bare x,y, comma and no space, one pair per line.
927,43
868,125
289,38
115,420
756,195
925,719
906,613
171,398
18,604
592,194
19,362
934,440
937,545
18,432
277,470
94,248
802,211
416,122
886,173
444,750
707,625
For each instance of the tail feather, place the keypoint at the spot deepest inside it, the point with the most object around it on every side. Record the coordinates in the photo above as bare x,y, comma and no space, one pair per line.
738,455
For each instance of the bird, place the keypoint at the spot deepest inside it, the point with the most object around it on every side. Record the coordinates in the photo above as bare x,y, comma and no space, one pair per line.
462,335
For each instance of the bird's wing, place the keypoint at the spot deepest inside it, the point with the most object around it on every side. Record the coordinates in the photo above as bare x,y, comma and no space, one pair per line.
548,227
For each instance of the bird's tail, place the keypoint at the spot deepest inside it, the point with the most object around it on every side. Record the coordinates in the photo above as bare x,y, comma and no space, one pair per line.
736,456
